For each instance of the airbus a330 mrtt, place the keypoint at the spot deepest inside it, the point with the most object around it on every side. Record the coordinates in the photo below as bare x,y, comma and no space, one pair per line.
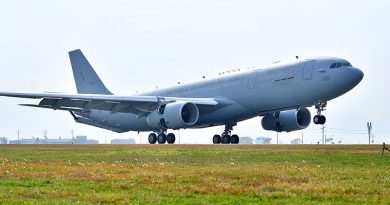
280,93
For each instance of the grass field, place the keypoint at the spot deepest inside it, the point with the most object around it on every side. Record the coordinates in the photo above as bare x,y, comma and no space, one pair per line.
194,174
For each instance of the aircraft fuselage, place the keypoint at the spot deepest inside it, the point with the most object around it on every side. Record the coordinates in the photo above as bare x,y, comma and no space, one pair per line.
252,92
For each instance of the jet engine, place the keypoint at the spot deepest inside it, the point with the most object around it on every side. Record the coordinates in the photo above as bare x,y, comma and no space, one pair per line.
174,116
287,121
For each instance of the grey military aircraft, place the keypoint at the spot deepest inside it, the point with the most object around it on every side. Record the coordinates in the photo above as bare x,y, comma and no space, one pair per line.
280,93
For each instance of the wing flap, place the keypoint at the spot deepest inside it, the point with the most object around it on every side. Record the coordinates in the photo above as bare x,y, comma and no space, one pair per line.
48,107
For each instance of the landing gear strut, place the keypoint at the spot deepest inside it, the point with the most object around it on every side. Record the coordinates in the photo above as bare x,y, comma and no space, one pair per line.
226,137
162,138
319,119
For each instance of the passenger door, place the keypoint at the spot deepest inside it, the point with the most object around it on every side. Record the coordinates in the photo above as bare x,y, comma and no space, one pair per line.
251,80
307,72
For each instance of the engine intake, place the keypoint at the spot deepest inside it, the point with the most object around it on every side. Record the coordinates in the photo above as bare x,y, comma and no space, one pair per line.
174,116
287,121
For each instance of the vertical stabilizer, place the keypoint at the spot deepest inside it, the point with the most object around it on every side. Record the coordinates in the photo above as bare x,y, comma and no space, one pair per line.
87,81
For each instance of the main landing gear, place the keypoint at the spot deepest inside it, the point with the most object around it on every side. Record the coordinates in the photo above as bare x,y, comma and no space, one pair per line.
226,137
319,119
162,138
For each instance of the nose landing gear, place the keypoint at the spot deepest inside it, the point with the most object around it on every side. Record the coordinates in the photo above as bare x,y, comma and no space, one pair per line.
319,119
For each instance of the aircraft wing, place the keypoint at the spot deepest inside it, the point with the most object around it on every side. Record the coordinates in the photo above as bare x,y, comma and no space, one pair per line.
139,105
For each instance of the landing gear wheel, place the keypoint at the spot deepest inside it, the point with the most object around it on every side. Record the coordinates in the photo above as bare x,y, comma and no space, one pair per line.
317,119
323,119
320,119
234,139
217,139
226,139
152,138
171,138
161,138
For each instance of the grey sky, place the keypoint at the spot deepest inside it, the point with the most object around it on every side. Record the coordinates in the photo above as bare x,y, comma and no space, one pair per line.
136,45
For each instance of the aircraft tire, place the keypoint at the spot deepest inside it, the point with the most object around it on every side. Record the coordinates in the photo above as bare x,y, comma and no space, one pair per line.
226,139
217,139
234,139
317,119
323,119
171,138
152,138
161,138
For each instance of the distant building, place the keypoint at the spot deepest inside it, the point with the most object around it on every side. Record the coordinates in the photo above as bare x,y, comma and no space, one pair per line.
246,140
263,140
296,141
3,140
123,141
77,140
24,141
84,140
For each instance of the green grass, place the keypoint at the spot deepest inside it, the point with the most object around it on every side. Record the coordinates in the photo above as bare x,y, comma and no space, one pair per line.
194,174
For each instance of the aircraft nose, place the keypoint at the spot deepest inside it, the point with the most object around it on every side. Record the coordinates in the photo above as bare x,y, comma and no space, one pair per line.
357,75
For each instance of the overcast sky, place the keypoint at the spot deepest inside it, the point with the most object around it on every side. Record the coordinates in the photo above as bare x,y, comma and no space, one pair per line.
138,45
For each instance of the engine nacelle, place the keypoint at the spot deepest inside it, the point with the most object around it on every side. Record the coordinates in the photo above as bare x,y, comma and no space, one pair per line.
174,116
287,121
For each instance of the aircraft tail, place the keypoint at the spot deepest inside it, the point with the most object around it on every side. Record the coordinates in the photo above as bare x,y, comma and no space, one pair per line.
87,81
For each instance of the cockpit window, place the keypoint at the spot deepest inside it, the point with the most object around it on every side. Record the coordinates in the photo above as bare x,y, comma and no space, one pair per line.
339,64
336,65
347,64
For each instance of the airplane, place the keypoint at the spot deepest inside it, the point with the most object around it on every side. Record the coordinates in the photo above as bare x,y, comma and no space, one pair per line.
280,93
